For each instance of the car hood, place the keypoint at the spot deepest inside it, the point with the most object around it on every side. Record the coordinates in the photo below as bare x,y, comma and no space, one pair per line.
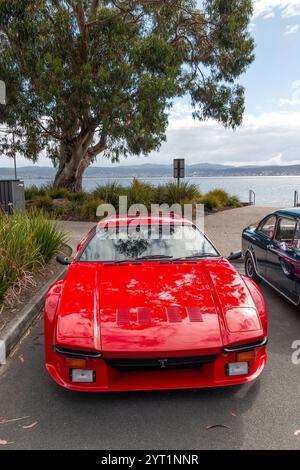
150,308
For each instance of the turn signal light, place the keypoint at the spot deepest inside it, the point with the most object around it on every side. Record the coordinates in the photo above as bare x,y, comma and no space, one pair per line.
245,356
76,363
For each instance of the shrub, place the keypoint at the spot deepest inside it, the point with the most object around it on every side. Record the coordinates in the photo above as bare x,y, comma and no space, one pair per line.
221,195
140,193
34,190
88,209
110,193
210,201
48,236
60,193
79,197
233,201
171,193
26,242
43,202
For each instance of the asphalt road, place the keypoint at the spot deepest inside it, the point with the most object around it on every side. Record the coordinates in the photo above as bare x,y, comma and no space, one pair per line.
261,415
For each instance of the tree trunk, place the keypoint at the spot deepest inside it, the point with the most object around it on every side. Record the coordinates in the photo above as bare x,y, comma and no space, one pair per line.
75,157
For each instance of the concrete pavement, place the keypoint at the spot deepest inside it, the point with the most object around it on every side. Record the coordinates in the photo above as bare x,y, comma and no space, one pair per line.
225,228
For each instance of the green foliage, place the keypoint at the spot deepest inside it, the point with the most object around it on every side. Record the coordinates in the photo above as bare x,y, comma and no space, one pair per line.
84,80
210,201
47,235
83,205
140,193
233,201
42,202
172,193
60,193
26,242
80,196
221,195
219,198
110,193
88,209
33,190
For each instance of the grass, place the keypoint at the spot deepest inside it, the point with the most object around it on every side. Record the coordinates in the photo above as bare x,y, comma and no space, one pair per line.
27,241
172,193
60,203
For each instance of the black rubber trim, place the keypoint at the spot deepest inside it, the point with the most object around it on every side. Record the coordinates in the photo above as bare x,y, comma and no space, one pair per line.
246,347
175,362
76,353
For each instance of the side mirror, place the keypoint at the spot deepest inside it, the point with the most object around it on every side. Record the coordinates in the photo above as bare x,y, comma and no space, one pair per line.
235,256
63,260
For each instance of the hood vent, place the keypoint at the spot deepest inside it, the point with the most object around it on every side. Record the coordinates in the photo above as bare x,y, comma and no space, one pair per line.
123,316
194,314
174,315
142,315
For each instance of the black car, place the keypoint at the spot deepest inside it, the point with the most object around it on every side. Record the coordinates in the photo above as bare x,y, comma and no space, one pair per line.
272,252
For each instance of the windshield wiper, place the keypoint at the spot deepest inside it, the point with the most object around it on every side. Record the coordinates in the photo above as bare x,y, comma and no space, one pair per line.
153,257
142,258
197,256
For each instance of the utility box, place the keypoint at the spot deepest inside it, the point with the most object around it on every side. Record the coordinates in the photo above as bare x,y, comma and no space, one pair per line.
12,196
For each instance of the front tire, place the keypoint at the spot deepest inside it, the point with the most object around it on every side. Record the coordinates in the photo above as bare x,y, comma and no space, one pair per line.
250,269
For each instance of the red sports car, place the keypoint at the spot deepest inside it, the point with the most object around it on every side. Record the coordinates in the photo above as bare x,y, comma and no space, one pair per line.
148,303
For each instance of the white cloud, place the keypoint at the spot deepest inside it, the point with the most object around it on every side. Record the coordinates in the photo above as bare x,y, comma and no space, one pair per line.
295,96
291,29
269,15
269,138
287,8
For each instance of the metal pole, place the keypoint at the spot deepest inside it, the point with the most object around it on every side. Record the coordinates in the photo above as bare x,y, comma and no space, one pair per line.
15,160
295,198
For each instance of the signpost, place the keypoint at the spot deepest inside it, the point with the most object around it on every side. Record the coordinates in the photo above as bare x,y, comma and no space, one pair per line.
179,169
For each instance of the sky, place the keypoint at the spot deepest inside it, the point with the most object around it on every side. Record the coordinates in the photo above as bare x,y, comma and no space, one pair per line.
270,133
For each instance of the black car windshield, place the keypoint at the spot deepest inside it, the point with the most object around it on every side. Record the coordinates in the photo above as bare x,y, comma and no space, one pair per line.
147,242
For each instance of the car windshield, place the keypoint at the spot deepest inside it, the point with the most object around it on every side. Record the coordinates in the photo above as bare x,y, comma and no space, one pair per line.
147,242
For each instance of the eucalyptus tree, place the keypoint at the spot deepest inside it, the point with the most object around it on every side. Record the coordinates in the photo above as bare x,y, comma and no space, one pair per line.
90,77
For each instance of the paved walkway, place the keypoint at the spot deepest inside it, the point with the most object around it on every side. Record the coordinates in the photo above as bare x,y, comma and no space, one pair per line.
223,228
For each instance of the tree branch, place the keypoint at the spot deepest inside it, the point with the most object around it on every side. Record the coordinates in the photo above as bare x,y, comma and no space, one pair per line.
99,147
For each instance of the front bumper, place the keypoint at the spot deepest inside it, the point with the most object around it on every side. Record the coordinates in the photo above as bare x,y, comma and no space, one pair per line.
109,379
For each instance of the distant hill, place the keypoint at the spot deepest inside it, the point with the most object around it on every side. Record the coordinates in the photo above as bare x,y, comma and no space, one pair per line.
154,170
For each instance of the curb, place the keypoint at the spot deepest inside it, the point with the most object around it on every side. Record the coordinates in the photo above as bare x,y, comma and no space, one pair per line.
16,328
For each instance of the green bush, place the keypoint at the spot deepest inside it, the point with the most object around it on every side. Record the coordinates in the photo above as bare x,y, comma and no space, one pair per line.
221,195
60,193
233,201
110,193
171,193
48,236
140,193
43,202
26,242
34,190
88,209
82,205
79,197
210,201
223,198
